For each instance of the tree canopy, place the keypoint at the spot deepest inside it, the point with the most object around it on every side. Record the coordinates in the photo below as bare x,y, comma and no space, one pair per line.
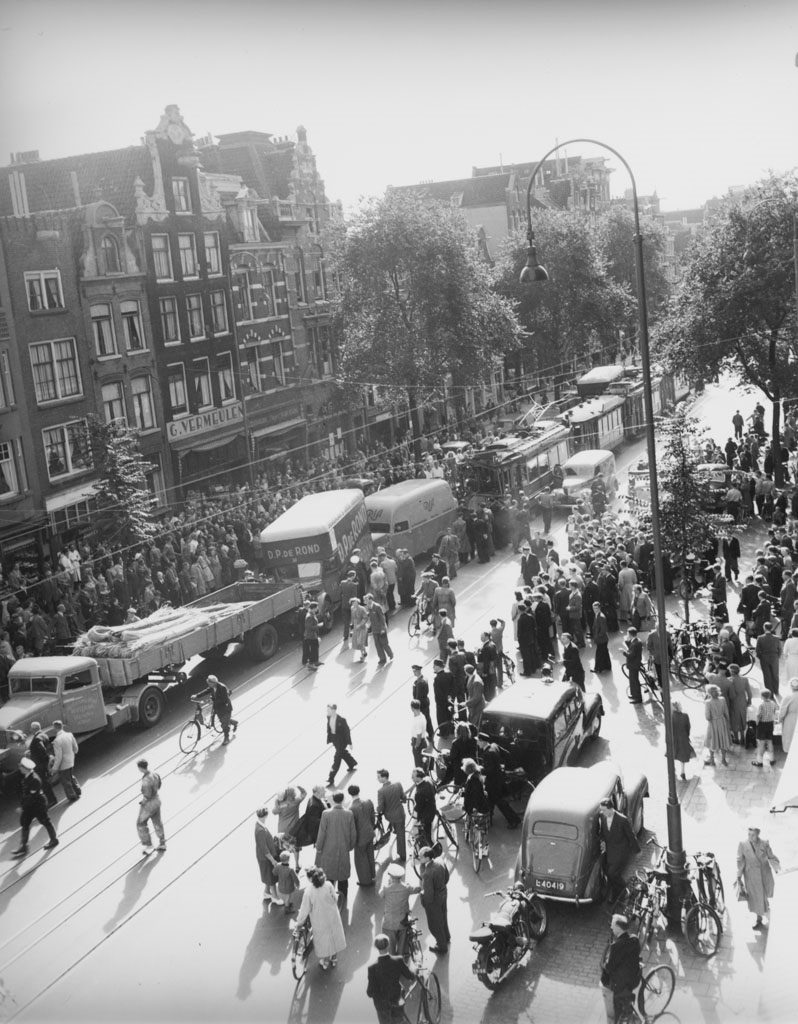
617,228
735,306
416,301
124,503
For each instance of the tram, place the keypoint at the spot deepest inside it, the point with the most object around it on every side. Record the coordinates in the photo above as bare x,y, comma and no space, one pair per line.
514,464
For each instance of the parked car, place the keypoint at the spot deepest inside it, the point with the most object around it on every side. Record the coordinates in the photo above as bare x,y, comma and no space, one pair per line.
560,857
546,725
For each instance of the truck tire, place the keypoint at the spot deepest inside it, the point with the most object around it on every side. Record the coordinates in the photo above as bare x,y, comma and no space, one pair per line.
151,707
262,642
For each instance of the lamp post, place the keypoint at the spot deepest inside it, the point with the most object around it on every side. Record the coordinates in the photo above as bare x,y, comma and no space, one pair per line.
534,272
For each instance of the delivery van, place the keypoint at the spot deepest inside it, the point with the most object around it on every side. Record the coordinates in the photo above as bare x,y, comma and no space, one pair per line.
312,541
414,514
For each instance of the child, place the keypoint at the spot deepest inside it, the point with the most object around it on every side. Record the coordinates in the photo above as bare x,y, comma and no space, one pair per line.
287,880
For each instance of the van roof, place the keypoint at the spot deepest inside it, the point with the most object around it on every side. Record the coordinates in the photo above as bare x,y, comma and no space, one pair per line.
601,374
407,489
573,791
312,515
50,666
529,698
588,457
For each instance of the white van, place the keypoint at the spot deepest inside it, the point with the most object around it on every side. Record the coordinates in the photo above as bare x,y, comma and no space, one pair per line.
580,469
414,514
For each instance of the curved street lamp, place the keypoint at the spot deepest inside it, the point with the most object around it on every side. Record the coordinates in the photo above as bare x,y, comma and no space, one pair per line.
534,272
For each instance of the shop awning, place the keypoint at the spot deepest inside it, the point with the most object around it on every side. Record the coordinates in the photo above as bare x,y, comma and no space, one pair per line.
215,442
279,428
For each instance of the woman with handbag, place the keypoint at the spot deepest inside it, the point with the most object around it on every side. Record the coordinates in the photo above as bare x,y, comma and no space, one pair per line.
756,863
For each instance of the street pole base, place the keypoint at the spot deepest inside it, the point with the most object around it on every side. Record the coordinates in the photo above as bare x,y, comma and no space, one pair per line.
678,886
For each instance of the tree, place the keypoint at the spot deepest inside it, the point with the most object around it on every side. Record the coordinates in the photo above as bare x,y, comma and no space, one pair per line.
735,306
124,502
416,301
579,304
686,528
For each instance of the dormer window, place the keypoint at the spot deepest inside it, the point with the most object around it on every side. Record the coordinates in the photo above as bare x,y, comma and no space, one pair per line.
110,254
250,222
181,194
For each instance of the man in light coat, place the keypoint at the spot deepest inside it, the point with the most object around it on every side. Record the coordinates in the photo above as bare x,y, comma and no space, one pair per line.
388,566
65,746
335,840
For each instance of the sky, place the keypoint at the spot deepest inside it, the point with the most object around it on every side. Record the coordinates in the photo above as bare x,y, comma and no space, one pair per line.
698,96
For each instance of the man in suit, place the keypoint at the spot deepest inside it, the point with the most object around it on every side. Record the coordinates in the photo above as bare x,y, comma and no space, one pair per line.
348,591
633,648
442,691
530,565
335,840
426,808
384,984
621,973
391,805
434,892
475,696
363,813
574,670
421,694
379,629
768,650
494,783
618,841
787,598
339,734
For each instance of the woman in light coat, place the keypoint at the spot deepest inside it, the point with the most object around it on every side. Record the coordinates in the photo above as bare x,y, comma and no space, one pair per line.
755,865
738,695
320,904
360,627
718,737
788,715
791,655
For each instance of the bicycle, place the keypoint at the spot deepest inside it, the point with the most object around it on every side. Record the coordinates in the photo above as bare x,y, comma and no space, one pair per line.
301,947
192,731
419,621
444,842
701,924
476,837
708,881
429,1004
647,675
654,994
412,946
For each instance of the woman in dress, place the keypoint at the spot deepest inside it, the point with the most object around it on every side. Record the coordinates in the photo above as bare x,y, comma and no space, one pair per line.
682,747
267,856
791,654
755,864
360,633
320,904
286,807
739,697
788,715
718,738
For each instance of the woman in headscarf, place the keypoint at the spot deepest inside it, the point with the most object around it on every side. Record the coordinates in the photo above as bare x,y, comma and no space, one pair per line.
718,738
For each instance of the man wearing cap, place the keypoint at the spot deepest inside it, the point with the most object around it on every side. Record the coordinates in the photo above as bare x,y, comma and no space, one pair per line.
384,984
434,895
34,807
621,971
221,704
361,572
396,893
348,591
40,751
421,694
310,636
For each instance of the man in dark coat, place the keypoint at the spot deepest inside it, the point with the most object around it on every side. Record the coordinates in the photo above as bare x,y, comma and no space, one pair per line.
361,572
528,641
443,691
426,808
621,972
421,694
40,751
222,706
34,807
633,648
494,783
618,841
391,805
384,985
544,623
339,734
363,813
434,892
573,669
768,651
349,590
530,565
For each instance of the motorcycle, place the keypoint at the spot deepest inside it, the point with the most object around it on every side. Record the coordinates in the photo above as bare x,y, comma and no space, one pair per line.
511,933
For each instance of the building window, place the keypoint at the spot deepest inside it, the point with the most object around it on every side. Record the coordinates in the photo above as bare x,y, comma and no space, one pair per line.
103,327
70,516
299,277
268,293
161,257
44,290
131,325
188,255
66,448
113,402
177,389
9,479
110,255
55,370
213,253
250,222
224,369
6,383
219,312
196,318
202,384
143,413
325,351
170,328
181,194
244,286
319,290
279,364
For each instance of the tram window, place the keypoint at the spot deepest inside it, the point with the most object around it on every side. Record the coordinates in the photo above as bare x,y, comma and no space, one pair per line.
537,467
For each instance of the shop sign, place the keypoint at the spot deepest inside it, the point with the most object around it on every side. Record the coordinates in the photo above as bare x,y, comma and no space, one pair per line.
204,422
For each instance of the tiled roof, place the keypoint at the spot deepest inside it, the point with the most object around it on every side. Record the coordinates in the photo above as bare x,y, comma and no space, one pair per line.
266,168
109,176
489,190
525,169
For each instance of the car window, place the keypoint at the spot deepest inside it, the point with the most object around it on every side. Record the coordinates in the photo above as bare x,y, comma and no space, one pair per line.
555,830
400,527
561,724
77,680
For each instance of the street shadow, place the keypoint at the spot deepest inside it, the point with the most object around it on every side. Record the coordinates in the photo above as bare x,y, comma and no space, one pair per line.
267,945
135,881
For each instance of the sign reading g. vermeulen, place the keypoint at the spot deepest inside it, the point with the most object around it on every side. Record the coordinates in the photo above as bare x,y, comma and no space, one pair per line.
204,421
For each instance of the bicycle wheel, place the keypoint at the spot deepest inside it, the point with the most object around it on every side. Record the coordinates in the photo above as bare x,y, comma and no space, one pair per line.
431,998
414,623
476,850
300,951
446,835
414,950
702,929
685,589
189,737
656,990
216,725
690,672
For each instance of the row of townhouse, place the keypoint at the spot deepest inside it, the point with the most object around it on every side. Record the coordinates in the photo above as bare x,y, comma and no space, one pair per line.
178,285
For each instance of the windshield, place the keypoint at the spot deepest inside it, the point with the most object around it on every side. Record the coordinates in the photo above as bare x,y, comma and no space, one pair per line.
573,471
33,684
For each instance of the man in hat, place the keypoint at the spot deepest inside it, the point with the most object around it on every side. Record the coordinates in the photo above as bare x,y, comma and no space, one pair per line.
768,651
434,895
421,694
34,807
310,637
396,893
348,591
384,984
222,705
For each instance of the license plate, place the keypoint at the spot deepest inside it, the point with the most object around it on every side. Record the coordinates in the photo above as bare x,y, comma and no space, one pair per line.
549,884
